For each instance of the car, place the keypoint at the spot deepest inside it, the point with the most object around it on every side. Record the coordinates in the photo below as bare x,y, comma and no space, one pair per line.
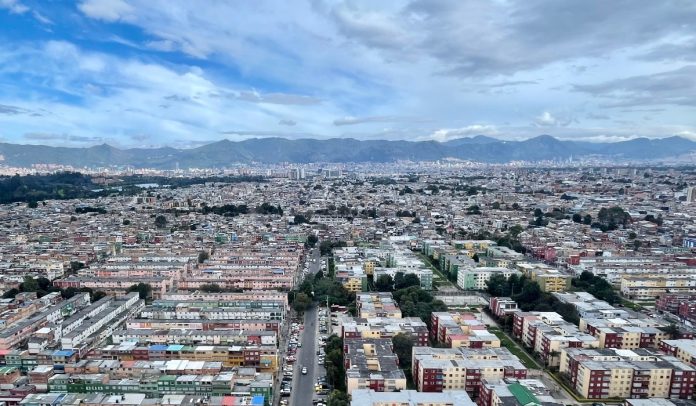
304,370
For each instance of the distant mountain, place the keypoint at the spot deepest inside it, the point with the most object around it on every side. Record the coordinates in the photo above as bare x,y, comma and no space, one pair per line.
275,150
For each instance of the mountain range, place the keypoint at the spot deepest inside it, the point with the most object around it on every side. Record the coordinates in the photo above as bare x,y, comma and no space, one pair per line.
276,150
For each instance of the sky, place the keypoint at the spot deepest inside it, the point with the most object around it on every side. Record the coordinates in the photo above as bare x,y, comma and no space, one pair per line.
152,73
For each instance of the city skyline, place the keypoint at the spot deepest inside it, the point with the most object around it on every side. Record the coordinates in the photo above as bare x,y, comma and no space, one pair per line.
132,73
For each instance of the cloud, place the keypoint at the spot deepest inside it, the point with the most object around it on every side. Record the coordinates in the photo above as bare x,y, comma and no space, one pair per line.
287,122
80,139
277,98
596,116
13,6
675,87
107,10
446,134
373,119
41,18
546,119
12,110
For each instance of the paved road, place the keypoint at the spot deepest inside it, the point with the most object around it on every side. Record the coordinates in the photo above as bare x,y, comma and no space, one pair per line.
303,385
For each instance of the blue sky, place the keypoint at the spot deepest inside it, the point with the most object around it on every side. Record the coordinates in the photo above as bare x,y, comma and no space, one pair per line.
184,73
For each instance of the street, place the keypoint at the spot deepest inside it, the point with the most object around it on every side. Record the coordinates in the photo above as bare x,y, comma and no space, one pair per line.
303,385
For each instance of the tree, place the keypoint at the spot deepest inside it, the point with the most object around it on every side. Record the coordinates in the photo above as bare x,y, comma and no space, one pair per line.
203,256
496,285
384,283
632,235
69,292
301,302
671,330
75,266
338,398
32,204
587,219
160,221
97,295
144,290
408,280
29,285
312,240
10,294
577,218
211,288
403,347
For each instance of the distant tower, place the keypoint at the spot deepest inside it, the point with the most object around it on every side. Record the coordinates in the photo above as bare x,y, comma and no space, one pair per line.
691,194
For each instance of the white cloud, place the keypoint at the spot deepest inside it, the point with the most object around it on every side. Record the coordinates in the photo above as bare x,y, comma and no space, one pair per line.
14,6
546,119
446,134
107,10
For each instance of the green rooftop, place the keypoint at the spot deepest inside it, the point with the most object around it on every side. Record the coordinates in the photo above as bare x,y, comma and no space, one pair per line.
523,395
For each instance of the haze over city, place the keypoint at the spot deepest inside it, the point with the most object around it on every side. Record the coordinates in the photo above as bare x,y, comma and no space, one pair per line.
175,73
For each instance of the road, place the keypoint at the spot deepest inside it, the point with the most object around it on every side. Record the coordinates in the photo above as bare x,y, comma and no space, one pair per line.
303,385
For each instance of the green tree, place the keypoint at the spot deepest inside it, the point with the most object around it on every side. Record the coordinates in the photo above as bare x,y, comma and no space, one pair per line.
496,285
203,256
32,204
302,302
338,398
384,283
211,288
10,294
75,266
406,281
403,347
577,218
587,220
97,295
312,240
160,221
29,285
144,290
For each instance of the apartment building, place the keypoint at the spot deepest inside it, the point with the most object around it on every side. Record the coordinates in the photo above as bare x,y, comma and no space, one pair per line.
377,304
116,286
461,330
368,397
625,333
263,358
439,369
615,373
546,333
671,302
476,278
651,286
98,321
371,364
204,324
384,327
502,306
18,332
193,337
589,307
549,279
514,392
683,349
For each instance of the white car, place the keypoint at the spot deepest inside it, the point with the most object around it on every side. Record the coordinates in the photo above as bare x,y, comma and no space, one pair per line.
304,370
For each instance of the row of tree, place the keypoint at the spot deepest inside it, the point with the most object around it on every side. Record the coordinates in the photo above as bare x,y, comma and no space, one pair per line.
529,296
385,282
43,286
